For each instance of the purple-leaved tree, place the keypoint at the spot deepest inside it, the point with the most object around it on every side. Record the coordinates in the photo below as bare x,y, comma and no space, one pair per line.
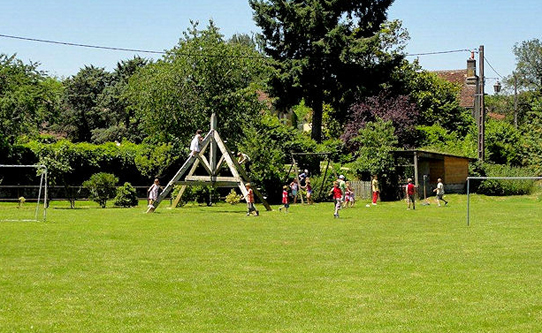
398,109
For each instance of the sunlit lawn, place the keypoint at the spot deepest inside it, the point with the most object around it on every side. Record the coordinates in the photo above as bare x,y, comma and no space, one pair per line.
212,269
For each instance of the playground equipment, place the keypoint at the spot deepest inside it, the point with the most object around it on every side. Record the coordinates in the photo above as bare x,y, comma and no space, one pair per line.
212,165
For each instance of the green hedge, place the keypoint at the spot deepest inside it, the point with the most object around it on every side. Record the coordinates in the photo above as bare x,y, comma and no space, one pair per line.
501,187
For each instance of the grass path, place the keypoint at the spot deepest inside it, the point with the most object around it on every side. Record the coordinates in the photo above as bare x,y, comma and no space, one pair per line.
212,269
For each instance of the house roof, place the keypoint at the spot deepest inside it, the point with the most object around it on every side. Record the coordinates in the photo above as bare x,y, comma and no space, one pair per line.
459,76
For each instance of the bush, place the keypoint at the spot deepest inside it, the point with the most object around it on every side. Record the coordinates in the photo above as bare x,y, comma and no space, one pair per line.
126,196
233,198
101,187
497,186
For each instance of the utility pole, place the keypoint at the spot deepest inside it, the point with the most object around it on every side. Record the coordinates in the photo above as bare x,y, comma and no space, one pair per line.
481,108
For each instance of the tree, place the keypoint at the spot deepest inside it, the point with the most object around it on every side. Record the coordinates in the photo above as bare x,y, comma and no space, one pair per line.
529,64
376,140
202,75
402,114
82,113
27,96
120,121
436,98
532,132
327,51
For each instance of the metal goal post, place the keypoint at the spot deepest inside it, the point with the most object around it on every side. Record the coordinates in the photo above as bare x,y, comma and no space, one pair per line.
486,178
43,185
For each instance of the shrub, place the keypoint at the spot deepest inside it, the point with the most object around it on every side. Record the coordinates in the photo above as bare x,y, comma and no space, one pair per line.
233,198
497,186
126,196
101,187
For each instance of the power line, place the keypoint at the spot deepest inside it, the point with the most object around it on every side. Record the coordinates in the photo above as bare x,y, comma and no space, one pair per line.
163,52
437,52
81,45
487,62
121,48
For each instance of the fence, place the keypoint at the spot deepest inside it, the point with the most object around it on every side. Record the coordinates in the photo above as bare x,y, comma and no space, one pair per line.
362,189
30,192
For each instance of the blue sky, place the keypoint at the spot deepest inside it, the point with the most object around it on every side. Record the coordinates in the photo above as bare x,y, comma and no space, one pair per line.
157,25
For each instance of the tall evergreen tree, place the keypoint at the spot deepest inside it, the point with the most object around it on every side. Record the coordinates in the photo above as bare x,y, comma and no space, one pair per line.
327,51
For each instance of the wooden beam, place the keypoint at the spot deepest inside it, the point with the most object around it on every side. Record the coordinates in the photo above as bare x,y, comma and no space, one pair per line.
183,188
237,169
207,183
213,179
205,163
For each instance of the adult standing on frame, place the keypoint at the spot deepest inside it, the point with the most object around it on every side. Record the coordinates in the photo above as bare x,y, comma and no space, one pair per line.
375,187
195,144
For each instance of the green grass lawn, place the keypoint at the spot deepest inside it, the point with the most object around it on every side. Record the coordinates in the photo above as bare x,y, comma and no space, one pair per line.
212,269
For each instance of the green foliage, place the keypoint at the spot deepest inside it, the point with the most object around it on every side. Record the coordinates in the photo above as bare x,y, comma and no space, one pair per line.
436,98
437,138
95,106
202,75
377,140
151,161
497,186
82,113
269,143
101,187
27,96
327,51
69,163
529,63
126,196
504,143
233,198
532,134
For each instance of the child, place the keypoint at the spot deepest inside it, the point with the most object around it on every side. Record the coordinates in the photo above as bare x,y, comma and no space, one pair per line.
350,194
410,191
285,202
194,144
250,201
375,187
440,192
294,187
309,192
152,192
337,198
347,193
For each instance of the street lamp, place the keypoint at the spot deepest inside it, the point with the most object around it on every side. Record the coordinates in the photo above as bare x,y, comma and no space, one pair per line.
497,87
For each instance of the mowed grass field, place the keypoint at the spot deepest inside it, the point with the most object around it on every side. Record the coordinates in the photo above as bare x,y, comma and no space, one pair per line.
213,269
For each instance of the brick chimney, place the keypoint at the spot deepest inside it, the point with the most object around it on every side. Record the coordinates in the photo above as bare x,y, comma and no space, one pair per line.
472,78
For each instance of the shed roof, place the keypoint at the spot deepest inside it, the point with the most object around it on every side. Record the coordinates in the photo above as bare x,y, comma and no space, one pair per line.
427,154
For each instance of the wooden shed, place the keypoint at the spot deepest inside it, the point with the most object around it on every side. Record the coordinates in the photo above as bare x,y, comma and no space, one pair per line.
425,167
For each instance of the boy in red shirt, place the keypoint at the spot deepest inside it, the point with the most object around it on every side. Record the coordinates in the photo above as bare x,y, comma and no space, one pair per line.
410,191
285,203
250,201
337,197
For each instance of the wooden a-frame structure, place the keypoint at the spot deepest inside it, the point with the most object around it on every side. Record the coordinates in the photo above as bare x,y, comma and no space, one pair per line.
212,166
